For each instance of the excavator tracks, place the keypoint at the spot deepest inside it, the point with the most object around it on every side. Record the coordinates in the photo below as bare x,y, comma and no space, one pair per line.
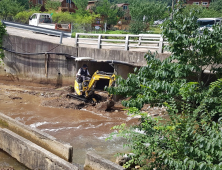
81,98
93,99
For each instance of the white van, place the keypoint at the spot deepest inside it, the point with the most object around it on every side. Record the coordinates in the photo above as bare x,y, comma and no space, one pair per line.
208,22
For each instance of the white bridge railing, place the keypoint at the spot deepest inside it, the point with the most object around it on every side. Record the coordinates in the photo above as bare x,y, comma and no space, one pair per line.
126,41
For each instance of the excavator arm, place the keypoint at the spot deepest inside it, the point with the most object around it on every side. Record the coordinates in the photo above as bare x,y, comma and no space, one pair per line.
97,76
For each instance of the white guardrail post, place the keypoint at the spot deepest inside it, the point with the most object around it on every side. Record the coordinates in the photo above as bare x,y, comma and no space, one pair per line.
127,43
99,41
140,38
77,39
61,36
161,44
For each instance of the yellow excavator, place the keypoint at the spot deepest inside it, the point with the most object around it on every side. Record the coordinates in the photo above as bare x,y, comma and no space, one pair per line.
85,90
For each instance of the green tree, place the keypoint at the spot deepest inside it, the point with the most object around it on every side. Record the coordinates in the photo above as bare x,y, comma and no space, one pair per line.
203,11
144,13
62,17
23,16
216,5
191,139
25,3
81,7
108,11
9,8
52,5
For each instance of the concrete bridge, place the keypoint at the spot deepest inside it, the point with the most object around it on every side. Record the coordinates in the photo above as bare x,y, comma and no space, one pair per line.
40,58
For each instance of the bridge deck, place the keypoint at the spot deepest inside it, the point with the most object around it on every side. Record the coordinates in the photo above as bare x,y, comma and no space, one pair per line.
66,41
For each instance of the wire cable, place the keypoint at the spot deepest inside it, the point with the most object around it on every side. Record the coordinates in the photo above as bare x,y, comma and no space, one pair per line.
20,53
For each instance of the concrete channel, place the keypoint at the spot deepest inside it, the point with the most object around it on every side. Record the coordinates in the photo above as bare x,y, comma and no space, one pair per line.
50,143
30,154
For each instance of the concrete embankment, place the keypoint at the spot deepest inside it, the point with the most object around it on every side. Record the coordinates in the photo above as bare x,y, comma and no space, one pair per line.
95,162
30,154
44,140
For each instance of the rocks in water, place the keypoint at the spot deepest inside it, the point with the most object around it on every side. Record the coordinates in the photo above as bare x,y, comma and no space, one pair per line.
121,160
15,97
104,106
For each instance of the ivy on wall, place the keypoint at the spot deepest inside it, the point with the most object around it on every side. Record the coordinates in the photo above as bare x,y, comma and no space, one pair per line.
2,33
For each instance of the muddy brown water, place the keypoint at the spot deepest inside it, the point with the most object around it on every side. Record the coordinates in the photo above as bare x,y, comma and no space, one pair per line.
84,130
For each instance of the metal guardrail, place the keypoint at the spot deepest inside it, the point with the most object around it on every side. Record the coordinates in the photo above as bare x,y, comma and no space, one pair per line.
149,41
42,30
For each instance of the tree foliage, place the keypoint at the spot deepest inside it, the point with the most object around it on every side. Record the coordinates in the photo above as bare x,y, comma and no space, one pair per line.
9,8
108,11
25,3
203,11
144,13
23,17
83,22
52,5
216,5
81,6
202,51
191,139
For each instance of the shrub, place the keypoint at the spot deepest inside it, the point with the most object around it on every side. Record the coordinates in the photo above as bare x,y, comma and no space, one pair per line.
2,33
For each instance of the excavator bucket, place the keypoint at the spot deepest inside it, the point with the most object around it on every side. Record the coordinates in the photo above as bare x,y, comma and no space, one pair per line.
107,105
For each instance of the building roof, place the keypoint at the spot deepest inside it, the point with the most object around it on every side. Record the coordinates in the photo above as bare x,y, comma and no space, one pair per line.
120,5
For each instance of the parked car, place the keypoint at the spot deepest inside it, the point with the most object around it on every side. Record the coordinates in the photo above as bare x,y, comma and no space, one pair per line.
158,22
208,23
45,20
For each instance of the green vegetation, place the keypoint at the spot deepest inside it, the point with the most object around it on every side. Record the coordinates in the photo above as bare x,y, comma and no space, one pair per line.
9,8
203,12
143,14
52,5
23,16
81,5
216,5
191,139
2,33
108,11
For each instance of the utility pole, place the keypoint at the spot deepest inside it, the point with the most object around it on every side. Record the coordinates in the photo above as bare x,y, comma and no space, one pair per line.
172,9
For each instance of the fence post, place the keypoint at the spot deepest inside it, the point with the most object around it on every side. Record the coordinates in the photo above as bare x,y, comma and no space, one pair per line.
99,41
61,36
77,39
140,38
127,43
161,44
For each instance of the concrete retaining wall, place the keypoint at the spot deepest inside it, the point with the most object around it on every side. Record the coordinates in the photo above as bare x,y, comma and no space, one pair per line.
60,70
31,155
95,162
57,69
44,140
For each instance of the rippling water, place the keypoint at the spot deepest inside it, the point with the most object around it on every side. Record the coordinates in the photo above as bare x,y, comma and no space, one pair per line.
84,130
